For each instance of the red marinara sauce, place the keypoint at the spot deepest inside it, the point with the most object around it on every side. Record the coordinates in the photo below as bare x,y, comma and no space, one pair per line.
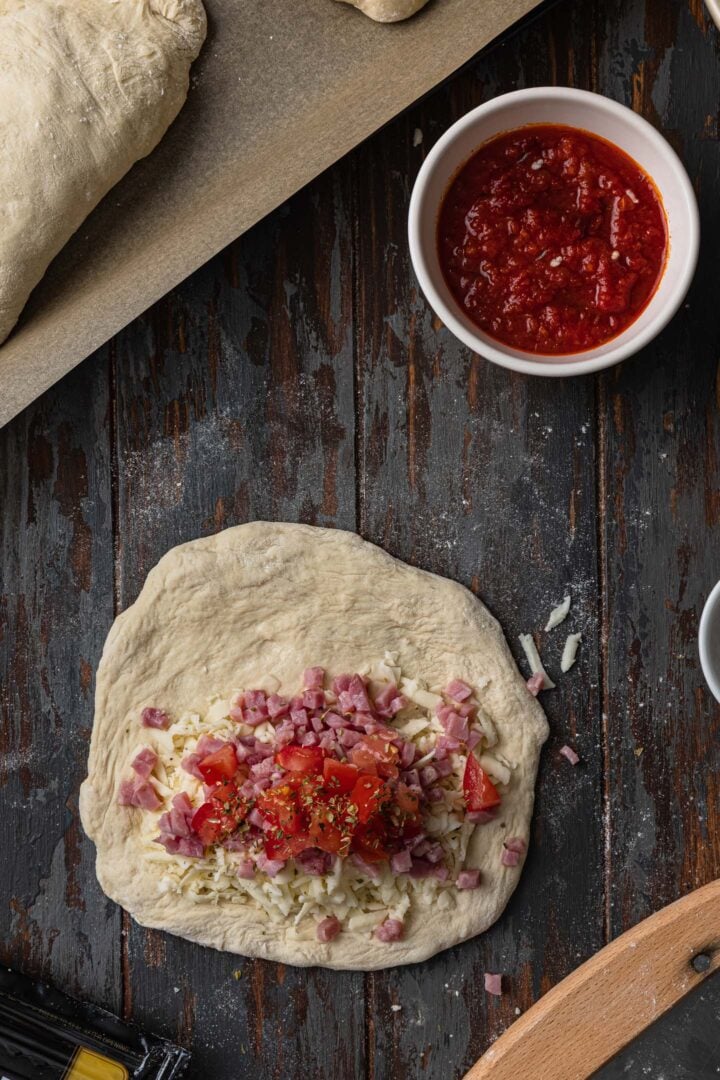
552,239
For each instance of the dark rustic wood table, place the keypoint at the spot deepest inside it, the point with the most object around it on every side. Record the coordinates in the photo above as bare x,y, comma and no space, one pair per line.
301,376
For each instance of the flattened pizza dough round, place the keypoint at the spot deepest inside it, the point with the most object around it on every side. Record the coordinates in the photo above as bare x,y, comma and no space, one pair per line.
223,612
388,10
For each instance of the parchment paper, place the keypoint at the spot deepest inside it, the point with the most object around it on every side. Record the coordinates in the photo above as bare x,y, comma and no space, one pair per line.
282,89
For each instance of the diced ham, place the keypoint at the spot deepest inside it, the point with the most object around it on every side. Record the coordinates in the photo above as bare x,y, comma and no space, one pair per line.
256,699
235,843
271,867
314,678
328,928
445,742
535,683
428,775
513,848
314,861
208,744
474,737
246,869
237,713
284,734
190,764
311,738
493,984
155,718
253,717
434,853
407,754
411,777
390,930
299,716
458,690
435,794
369,869
465,709
126,793
359,695
468,879
313,699
144,762
262,769
277,706
441,872
256,818
566,751
401,862
190,847
138,792
317,723
349,738
421,868
345,701
456,726
332,720
443,768
341,683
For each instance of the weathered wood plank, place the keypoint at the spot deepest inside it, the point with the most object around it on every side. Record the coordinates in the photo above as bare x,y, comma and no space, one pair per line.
487,477
660,449
235,401
55,606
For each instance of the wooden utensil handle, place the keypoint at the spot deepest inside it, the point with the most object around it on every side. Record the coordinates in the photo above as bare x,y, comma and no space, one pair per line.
593,1013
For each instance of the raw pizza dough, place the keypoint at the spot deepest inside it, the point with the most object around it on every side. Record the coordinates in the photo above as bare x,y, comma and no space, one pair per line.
263,598
87,87
388,10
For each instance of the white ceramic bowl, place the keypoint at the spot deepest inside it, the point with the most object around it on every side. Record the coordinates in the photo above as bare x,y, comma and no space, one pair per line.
577,108
713,7
709,641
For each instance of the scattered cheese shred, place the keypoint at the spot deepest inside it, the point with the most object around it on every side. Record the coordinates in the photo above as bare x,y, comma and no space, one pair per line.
570,651
533,659
558,614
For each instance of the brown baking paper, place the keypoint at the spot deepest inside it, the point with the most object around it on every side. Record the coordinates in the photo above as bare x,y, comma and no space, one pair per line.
282,89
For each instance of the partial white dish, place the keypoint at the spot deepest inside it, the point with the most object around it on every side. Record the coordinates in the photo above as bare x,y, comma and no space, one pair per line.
709,641
593,113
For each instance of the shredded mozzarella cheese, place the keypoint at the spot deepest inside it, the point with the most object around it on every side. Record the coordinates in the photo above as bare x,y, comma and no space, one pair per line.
533,659
558,614
570,651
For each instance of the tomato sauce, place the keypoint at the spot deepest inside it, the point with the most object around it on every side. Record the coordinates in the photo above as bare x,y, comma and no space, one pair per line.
551,239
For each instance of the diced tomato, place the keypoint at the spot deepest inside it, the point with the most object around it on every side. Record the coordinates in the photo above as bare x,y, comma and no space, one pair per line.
219,766
220,815
479,790
375,755
339,777
206,823
287,847
369,843
301,759
325,833
407,800
280,806
369,795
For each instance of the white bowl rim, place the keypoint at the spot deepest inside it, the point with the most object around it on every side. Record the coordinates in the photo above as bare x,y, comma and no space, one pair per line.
713,7
709,613
555,366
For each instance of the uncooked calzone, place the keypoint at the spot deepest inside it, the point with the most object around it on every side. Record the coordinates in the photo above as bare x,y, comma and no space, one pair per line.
87,87
200,750
388,10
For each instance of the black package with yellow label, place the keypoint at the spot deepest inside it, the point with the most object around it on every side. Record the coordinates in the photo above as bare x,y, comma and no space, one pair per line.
45,1035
